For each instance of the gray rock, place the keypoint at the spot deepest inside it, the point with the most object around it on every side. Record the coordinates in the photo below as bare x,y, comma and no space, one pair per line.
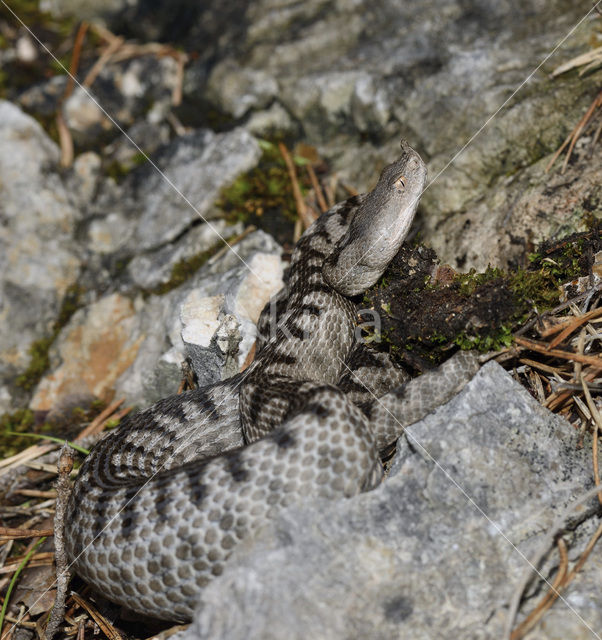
321,101
136,344
83,9
436,551
43,99
86,175
370,104
239,89
272,121
38,259
194,169
149,270
148,135
123,92
148,217
526,207
221,310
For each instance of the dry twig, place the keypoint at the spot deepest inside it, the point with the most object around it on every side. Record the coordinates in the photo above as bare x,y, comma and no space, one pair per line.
575,134
535,616
100,422
8,533
304,215
63,489
107,628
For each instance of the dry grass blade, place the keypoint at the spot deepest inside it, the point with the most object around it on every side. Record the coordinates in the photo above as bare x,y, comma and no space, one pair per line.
100,64
34,493
304,214
533,345
231,243
350,190
597,425
317,189
107,628
583,557
540,365
546,602
99,423
542,549
330,189
102,32
574,324
572,138
24,456
65,139
77,49
176,94
8,533
21,622
41,466
595,55
42,559
12,584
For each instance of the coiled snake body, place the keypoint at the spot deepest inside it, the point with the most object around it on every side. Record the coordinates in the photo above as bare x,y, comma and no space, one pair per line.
159,504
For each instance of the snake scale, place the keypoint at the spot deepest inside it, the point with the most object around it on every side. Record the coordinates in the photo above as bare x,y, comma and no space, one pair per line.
161,502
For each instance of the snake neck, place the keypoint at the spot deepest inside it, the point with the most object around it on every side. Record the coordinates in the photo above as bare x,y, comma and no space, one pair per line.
313,335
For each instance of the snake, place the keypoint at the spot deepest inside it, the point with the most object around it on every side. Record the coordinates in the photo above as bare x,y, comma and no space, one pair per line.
161,502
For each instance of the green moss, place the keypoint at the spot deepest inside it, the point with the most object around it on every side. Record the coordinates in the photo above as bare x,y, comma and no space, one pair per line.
20,421
53,33
471,281
39,359
39,362
498,339
23,421
185,269
117,170
265,188
472,310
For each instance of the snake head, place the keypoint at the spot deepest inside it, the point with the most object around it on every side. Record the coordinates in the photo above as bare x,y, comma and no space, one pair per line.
378,227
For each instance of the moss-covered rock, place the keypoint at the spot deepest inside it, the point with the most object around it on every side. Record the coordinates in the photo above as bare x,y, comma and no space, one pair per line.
425,309
38,351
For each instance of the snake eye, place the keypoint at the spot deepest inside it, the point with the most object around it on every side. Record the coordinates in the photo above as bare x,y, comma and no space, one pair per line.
400,183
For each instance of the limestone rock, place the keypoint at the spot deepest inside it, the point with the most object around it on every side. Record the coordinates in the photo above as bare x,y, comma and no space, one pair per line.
193,320
121,94
356,78
219,316
194,168
38,259
240,89
95,348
